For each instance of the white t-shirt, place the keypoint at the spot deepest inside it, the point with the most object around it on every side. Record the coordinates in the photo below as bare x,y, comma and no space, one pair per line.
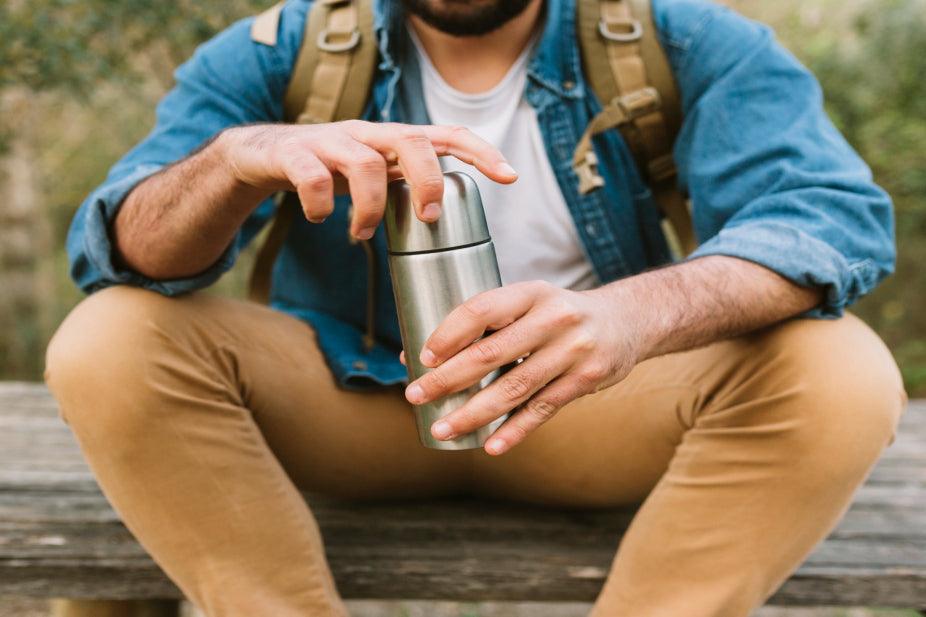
533,232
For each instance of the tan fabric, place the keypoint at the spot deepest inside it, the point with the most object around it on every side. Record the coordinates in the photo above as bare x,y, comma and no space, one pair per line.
634,82
265,27
200,416
317,91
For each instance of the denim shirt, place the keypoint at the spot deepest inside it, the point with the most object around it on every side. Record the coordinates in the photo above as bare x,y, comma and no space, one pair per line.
771,180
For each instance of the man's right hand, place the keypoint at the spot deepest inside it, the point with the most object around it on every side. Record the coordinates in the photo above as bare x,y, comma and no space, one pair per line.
317,161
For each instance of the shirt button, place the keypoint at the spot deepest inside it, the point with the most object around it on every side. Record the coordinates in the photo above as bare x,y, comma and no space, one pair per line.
569,85
591,229
360,365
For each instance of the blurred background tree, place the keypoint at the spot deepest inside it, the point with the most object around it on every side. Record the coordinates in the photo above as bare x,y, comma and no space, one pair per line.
79,80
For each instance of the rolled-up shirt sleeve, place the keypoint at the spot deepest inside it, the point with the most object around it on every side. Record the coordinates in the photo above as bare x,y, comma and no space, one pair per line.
229,81
770,178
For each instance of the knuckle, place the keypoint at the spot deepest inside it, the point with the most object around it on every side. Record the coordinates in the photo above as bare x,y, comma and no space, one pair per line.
516,386
435,382
468,420
369,162
583,343
487,351
477,307
566,315
533,289
591,375
352,126
316,180
432,184
458,130
518,427
541,409
542,287
438,342
412,134
370,204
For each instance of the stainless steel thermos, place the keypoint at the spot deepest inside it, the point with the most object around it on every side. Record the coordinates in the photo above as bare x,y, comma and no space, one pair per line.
435,267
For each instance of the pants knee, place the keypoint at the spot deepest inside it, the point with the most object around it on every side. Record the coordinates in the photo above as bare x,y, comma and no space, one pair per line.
843,392
100,352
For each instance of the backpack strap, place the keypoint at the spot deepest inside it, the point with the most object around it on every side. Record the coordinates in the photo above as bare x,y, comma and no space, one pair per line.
627,68
330,82
338,48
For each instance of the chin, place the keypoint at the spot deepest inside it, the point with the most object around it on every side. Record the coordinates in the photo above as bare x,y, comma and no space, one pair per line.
466,17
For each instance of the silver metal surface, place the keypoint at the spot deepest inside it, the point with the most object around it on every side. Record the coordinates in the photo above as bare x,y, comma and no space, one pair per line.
462,221
435,267
427,287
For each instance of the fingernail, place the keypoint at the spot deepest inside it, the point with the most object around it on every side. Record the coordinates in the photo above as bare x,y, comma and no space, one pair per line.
414,393
427,357
495,445
431,212
318,220
366,233
441,430
507,169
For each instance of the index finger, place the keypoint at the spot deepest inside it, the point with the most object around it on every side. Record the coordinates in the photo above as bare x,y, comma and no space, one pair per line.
489,310
463,144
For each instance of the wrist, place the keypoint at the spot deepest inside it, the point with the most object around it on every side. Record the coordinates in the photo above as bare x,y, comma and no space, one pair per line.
641,321
231,152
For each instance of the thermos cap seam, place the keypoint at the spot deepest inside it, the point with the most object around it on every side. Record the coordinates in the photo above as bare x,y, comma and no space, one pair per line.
441,250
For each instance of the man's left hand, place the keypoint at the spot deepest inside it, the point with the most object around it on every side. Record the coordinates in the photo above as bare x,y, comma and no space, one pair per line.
572,343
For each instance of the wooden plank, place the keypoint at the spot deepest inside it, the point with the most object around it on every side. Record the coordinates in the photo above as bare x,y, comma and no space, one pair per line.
116,608
59,537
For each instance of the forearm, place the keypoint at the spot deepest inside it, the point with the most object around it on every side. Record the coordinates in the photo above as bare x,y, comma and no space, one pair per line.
178,222
698,302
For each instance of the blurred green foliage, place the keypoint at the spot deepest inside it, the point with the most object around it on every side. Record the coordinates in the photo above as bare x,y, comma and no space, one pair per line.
91,71
873,76
73,45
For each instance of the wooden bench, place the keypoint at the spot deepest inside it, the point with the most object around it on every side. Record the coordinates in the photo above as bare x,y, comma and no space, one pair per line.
60,538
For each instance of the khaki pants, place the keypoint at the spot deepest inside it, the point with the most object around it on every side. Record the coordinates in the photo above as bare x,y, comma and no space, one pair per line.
201,416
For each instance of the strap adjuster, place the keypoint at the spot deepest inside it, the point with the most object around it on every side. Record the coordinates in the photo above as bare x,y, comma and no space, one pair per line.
626,30
639,102
587,171
324,42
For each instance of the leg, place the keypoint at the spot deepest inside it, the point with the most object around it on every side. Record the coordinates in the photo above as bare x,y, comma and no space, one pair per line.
749,451
200,416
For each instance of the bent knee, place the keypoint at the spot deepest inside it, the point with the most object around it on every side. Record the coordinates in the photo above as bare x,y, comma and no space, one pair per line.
841,389
101,326
103,345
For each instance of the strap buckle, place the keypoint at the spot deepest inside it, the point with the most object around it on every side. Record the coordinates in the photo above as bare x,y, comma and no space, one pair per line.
324,42
639,102
587,171
625,30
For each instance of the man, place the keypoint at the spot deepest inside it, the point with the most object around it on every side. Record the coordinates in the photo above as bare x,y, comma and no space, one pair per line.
688,387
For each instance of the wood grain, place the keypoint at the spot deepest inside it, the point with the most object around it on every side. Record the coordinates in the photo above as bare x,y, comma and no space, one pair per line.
60,538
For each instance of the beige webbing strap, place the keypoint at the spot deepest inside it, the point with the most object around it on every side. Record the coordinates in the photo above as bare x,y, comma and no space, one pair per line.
330,81
658,72
623,61
334,71
620,112
262,270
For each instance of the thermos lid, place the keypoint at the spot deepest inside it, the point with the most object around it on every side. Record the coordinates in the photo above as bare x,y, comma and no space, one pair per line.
462,221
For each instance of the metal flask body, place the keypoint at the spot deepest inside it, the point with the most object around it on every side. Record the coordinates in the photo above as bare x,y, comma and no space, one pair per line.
435,267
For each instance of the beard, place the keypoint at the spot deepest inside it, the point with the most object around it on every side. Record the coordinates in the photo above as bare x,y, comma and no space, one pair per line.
466,17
